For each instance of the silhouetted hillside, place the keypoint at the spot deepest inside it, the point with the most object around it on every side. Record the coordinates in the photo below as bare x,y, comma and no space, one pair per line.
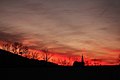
40,70
8,59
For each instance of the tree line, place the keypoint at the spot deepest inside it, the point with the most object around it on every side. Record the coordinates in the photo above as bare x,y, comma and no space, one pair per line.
20,49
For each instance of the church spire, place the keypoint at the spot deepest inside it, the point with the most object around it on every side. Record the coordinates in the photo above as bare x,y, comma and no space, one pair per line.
82,59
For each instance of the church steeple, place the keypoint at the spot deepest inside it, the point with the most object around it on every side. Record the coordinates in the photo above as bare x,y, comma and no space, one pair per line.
79,64
82,59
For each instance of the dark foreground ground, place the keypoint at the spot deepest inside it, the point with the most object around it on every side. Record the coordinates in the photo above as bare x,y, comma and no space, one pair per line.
15,67
61,73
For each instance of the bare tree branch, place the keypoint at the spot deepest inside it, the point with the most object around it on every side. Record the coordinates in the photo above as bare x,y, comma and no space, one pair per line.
15,47
46,54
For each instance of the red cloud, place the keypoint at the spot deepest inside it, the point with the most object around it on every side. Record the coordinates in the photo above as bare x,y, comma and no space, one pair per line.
112,50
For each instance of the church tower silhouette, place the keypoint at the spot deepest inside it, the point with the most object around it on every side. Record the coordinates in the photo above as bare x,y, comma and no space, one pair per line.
82,61
79,64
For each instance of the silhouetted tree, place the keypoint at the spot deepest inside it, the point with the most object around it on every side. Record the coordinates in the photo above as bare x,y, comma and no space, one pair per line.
34,55
118,60
23,50
6,46
15,47
46,54
87,63
27,55
53,60
64,62
69,60
18,48
96,62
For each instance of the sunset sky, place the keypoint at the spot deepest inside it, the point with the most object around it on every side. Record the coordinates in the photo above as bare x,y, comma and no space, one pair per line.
71,27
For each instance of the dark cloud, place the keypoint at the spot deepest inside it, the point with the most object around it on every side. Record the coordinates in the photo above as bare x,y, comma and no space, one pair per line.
10,37
5,27
88,42
118,39
104,28
7,33
112,29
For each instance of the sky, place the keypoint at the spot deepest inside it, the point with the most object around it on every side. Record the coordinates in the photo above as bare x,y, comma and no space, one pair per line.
71,27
